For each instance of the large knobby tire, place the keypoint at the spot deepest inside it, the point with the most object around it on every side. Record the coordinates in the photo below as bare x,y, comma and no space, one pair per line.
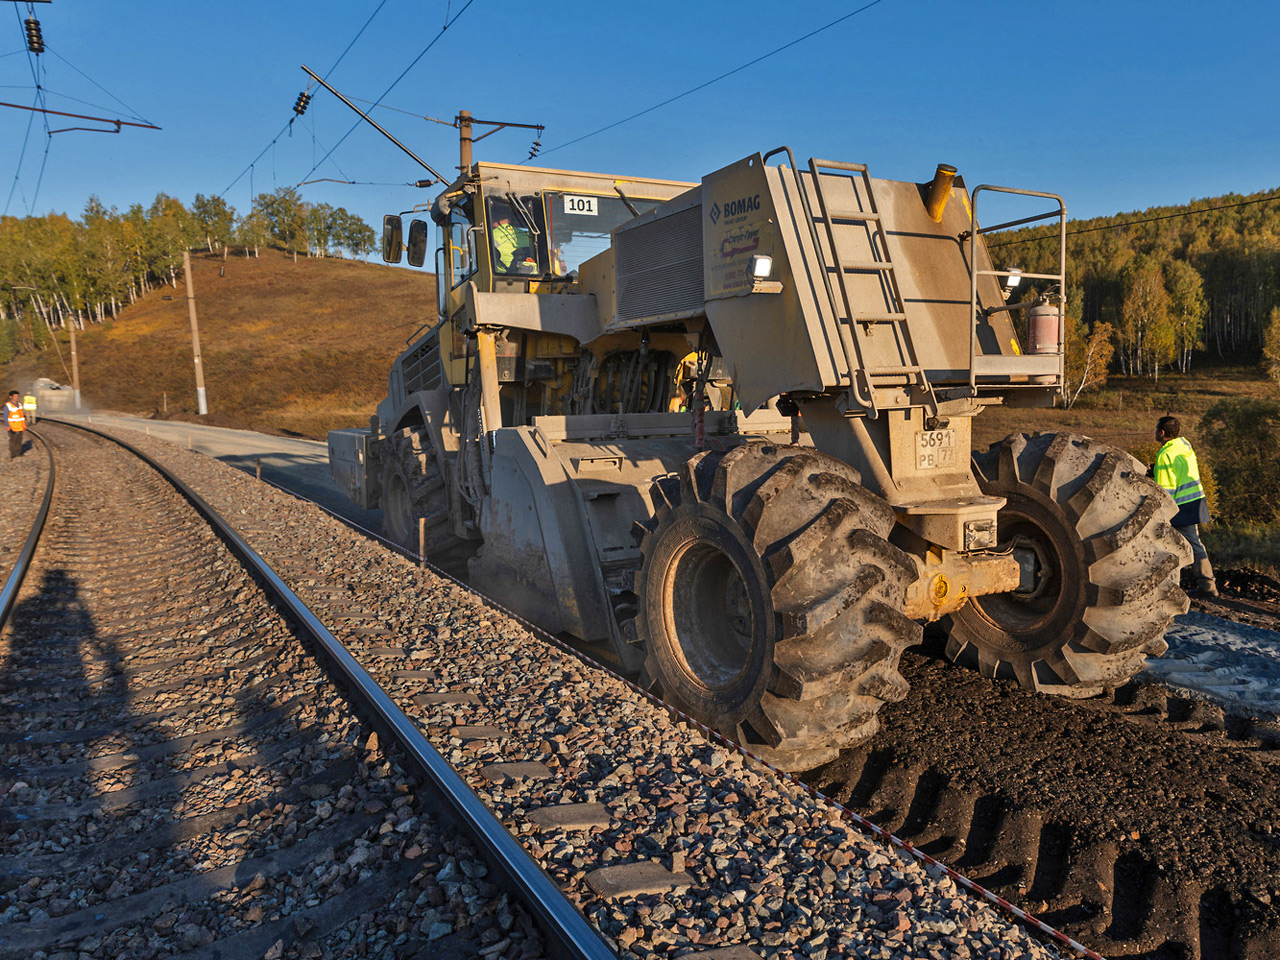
413,488
770,601
1107,567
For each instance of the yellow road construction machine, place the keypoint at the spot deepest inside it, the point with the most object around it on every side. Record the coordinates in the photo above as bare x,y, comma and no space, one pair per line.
724,428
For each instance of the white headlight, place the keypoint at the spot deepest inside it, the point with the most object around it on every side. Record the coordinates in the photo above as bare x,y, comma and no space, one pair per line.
760,267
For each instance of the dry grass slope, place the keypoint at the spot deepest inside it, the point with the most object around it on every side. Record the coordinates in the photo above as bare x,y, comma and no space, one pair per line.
296,348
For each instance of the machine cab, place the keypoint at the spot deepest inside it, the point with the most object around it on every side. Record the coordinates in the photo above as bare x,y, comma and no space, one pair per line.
514,229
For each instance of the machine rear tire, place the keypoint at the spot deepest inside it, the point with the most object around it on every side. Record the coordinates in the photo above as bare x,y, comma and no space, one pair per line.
413,487
1108,567
770,601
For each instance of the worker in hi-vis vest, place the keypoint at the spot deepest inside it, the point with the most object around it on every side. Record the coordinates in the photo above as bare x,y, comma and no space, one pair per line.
15,421
512,247
1178,473
29,408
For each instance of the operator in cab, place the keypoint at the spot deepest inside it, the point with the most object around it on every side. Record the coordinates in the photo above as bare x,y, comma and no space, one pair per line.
512,247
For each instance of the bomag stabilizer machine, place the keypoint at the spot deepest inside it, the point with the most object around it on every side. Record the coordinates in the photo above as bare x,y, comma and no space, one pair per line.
725,428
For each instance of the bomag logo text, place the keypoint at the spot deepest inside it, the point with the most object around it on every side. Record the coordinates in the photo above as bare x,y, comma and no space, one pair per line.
736,208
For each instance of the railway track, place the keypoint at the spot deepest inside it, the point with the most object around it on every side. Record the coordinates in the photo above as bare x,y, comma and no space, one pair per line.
181,777
670,845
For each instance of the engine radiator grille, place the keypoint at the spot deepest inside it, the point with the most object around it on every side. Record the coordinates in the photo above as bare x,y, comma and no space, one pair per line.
659,267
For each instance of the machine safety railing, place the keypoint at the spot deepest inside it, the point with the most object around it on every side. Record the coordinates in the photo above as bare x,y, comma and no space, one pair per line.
1003,365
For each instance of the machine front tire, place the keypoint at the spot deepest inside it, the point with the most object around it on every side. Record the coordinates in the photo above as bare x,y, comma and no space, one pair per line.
413,488
1107,567
770,601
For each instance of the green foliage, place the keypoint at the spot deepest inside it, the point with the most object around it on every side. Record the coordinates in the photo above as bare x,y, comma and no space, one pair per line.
316,227
216,218
1089,352
1146,319
8,339
1271,347
1255,546
55,270
1188,308
1219,264
285,214
1241,436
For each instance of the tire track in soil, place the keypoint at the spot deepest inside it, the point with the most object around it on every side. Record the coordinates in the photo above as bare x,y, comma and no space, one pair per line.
1144,825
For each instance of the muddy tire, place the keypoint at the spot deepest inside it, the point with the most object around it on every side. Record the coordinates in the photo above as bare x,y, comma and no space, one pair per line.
1107,567
770,602
413,488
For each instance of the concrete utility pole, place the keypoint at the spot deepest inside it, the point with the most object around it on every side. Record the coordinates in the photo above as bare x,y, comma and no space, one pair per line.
201,404
75,365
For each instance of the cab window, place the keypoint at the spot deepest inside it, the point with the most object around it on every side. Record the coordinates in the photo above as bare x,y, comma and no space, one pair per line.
461,239
580,225
517,236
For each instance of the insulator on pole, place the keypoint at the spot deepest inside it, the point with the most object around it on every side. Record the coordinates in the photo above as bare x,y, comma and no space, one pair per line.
35,42
300,107
537,145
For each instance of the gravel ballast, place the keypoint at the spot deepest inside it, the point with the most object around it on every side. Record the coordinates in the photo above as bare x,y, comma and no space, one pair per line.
768,865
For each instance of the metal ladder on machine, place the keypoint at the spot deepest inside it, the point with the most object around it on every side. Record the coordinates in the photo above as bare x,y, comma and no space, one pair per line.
867,381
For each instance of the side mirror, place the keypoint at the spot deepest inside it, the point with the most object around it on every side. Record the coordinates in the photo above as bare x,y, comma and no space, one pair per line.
392,238
417,243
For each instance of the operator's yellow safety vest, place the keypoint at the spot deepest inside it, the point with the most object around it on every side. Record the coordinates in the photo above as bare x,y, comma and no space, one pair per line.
505,241
1177,471
28,402
14,417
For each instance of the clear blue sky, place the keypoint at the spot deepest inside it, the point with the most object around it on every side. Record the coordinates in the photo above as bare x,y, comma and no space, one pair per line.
1118,106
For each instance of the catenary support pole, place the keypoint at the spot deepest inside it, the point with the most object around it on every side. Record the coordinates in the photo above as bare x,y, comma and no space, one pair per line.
75,365
201,405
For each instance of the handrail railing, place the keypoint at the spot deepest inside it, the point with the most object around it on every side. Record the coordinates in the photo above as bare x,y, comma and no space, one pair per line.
974,273
852,355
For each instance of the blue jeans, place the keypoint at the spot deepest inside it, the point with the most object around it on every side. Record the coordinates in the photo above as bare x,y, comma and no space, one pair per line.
1192,535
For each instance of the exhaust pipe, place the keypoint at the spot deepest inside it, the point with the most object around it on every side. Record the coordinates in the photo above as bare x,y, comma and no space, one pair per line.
939,190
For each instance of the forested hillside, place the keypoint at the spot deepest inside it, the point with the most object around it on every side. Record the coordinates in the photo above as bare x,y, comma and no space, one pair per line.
1170,282
55,270
287,346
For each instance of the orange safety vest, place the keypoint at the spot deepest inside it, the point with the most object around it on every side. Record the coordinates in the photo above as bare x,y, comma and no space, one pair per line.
16,418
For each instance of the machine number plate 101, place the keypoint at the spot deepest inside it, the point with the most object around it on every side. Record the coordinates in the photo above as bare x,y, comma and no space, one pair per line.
583,206
936,450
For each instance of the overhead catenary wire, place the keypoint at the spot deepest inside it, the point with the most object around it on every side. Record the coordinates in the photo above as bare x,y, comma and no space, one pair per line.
714,80
1134,223
136,115
39,104
289,124
17,173
39,72
396,81
88,103
359,34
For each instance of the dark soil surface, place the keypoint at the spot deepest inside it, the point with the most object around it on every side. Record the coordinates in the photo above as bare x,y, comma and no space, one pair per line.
1246,596
1144,824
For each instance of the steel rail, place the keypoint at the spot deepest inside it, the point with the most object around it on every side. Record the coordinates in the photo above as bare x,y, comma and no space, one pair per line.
566,930
9,592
